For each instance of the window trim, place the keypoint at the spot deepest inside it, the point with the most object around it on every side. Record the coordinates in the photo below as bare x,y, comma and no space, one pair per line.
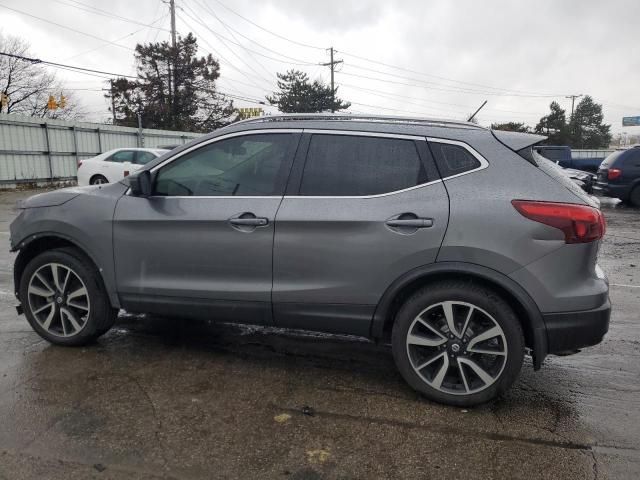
214,140
483,162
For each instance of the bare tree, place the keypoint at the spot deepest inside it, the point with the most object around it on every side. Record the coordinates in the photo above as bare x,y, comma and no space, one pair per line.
28,85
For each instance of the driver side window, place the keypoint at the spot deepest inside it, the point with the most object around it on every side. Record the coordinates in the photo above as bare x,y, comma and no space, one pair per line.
249,165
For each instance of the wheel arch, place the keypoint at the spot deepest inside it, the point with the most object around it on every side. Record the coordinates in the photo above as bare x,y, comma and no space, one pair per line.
34,245
523,305
98,175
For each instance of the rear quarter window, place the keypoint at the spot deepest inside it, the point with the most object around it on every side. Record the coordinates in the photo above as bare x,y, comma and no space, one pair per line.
453,159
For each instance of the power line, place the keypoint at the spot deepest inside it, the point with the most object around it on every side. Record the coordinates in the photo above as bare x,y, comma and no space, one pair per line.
389,96
97,11
449,88
229,48
62,65
443,78
535,94
115,40
294,61
71,67
267,30
66,28
429,87
230,64
231,32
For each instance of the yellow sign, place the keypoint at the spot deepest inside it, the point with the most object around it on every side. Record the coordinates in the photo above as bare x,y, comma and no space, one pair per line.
250,112
51,104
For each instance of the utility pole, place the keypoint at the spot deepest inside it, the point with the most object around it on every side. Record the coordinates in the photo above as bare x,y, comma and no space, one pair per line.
172,9
331,64
573,99
172,62
113,102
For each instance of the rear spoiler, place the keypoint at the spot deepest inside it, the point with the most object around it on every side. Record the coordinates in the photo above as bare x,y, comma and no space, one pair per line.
516,141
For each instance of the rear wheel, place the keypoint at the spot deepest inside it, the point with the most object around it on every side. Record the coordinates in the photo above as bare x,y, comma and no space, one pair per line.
64,299
98,180
458,343
634,197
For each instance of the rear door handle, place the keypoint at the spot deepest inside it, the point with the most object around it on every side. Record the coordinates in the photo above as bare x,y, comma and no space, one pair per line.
410,223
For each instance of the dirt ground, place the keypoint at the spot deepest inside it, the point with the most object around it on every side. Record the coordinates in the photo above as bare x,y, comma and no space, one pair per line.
182,399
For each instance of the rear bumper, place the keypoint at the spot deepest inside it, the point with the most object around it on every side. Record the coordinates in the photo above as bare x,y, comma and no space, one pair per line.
609,190
569,331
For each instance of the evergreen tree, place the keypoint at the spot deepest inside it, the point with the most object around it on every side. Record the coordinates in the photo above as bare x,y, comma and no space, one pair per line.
554,125
298,95
587,129
175,89
511,127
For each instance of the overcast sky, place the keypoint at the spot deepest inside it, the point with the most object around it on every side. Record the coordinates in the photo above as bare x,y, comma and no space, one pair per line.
455,54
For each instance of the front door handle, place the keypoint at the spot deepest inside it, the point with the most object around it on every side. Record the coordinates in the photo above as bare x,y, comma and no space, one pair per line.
410,223
249,222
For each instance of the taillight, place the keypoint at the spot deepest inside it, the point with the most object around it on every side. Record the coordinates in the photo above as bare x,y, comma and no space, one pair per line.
614,173
579,223
79,163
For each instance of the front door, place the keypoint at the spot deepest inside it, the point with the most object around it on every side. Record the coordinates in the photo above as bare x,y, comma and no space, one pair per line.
202,243
365,210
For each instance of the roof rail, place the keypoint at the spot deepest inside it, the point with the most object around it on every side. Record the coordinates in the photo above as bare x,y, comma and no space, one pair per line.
293,117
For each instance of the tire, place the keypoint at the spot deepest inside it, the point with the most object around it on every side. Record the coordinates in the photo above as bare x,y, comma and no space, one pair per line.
478,365
634,197
75,309
98,180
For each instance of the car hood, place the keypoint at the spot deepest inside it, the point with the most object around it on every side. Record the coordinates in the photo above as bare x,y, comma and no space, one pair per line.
57,197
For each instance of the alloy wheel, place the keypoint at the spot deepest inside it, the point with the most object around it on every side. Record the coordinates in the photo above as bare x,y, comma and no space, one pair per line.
59,300
457,347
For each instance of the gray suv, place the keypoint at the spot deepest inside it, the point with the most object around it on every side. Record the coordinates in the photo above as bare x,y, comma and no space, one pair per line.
459,245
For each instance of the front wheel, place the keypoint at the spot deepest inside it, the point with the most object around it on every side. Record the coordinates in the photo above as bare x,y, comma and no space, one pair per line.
458,343
64,299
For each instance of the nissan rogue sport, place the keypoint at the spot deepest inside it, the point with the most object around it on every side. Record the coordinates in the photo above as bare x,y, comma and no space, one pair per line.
459,245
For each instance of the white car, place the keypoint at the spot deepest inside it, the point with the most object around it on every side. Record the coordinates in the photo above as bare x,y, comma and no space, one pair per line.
114,165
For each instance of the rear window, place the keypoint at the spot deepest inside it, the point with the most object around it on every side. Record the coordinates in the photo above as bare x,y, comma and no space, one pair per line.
558,174
553,154
345,165
611,158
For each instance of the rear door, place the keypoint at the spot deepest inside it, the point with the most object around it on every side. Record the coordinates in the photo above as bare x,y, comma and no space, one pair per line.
361,209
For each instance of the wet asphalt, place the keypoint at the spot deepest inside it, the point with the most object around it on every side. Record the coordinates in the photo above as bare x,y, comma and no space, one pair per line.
157,398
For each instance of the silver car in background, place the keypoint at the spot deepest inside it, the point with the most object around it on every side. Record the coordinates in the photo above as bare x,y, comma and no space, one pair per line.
458,245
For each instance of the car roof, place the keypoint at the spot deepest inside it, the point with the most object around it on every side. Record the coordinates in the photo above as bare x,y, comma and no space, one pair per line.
385,124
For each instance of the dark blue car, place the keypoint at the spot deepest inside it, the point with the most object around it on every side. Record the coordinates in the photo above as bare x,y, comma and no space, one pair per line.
619,176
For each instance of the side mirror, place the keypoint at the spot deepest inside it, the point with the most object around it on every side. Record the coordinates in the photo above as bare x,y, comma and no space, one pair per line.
140,183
